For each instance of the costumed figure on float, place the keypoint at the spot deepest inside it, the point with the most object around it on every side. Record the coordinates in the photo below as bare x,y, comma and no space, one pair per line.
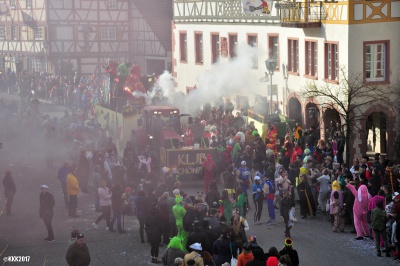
134,85
271,133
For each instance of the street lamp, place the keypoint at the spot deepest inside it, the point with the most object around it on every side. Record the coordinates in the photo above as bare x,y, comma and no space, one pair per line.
270,63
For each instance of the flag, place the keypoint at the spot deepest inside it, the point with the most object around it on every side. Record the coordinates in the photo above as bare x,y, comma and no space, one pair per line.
260,7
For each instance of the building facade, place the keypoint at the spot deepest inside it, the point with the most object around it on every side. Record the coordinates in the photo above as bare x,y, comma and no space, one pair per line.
313,42
64,36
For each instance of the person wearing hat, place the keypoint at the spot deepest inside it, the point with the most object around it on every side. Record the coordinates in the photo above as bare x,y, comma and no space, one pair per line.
46,211
335,187
194,255
288,249
78,252
306,155
209,169
9,191
328,163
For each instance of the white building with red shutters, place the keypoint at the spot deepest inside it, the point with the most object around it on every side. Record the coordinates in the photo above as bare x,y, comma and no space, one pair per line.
312,41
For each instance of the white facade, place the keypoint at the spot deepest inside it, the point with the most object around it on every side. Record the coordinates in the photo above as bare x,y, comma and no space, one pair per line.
352,27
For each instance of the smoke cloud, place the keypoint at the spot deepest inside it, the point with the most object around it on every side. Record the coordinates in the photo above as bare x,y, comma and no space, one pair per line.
229,77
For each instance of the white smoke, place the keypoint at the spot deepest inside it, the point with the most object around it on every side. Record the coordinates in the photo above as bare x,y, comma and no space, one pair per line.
139,94
229,77
166,82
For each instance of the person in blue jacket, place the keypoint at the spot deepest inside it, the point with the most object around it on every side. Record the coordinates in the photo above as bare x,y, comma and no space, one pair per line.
258,198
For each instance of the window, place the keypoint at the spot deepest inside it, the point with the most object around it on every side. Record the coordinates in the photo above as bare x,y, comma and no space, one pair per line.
112,4
233,41
214,48
39,33
311,58
14,33
376,61
273,48
331,61
198,46
108,33
28,4
293,55
12,4
183,46
2,33
37,65
252,40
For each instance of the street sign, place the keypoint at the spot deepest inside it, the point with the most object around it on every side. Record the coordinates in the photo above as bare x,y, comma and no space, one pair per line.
274,89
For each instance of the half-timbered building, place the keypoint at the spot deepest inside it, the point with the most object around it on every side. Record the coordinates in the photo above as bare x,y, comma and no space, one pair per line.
64,36
23,35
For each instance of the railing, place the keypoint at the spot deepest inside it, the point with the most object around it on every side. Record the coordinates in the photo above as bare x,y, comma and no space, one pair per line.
300,14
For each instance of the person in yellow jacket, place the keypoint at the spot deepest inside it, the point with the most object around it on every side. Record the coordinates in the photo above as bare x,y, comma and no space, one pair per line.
73,191
304,170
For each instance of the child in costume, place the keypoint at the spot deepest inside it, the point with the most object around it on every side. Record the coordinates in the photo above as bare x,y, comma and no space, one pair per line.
338,223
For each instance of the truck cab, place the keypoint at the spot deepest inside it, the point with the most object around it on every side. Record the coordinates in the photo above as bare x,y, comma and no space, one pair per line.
162,127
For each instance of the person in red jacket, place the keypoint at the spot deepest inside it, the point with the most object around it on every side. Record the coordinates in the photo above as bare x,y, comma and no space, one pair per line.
209,169
246,255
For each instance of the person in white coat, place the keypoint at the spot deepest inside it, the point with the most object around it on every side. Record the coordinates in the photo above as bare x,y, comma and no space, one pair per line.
105,204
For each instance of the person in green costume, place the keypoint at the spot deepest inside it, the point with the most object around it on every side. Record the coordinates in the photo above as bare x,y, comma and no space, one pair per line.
123,70
241,202
227,207
179,212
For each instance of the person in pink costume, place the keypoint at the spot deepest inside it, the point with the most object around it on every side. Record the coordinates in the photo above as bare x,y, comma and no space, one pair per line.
372,205
360,210
375,199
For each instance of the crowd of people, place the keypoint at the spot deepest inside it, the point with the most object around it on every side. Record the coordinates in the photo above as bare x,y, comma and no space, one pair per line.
210,228
312,172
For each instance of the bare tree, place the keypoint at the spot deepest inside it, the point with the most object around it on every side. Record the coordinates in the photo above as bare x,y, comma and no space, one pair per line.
351,97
